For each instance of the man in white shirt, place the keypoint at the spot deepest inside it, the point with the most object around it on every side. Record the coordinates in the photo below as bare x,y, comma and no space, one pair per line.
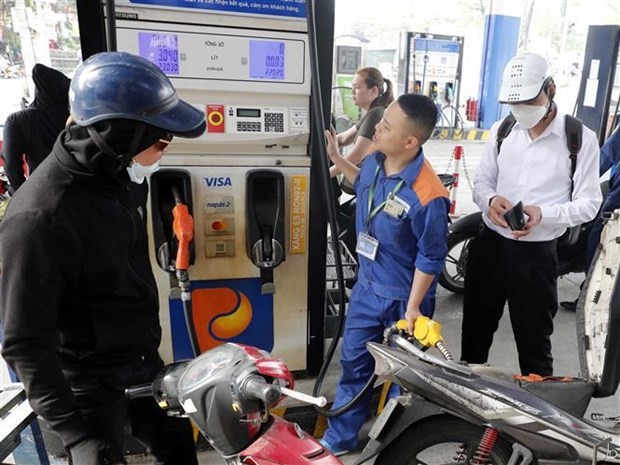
520,266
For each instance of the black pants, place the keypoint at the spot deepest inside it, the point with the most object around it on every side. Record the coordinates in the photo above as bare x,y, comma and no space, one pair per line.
109,414
522,273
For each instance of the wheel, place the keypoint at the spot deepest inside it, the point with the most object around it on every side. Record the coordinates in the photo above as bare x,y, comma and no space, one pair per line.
452,277
441,440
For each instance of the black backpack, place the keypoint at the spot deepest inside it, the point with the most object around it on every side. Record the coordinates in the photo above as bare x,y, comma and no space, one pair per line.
573,128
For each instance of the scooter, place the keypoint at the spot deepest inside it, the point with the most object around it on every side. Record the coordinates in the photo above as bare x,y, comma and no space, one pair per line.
453,413
571,257
228,392
460,414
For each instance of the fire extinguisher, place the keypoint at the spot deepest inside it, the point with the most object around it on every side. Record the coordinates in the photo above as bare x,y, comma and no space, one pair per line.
471,109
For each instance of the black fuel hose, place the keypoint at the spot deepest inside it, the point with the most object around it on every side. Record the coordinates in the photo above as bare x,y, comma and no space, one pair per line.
320,125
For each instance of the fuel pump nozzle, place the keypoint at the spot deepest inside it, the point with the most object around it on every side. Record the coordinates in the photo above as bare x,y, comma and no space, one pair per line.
183,228
426,331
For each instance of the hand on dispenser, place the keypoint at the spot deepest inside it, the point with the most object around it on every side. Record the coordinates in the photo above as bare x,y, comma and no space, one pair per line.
332,145
348,169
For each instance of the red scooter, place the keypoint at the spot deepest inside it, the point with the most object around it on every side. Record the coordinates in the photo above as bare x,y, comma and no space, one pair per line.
228,392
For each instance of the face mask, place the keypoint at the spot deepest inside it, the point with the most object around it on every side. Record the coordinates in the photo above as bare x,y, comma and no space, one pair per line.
137,172
528,115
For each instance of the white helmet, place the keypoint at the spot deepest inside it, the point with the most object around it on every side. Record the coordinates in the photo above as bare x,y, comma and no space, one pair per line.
525,76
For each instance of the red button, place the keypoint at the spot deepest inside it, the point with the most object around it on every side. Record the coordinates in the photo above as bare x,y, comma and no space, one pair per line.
217,225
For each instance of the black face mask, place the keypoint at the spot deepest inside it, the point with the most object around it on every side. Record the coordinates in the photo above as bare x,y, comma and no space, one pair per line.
120,141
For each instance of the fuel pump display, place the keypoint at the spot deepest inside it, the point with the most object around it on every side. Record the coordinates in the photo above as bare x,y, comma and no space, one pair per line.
246,181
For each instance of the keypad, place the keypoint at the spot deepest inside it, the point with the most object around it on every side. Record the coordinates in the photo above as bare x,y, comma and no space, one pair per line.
274,122
248,126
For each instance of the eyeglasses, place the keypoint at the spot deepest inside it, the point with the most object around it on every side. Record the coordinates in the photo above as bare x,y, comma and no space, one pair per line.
163,143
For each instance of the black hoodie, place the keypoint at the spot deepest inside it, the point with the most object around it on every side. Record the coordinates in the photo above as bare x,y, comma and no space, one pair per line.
78,296
33,131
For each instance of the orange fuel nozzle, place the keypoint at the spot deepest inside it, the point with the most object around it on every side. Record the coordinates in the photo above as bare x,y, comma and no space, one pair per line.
183,227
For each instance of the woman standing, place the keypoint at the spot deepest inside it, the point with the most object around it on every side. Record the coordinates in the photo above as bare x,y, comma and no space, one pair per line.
372,93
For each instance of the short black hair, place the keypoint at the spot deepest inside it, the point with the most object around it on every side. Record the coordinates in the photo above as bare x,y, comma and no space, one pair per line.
421,112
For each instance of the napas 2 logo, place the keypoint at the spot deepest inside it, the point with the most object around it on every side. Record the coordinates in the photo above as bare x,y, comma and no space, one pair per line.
218,181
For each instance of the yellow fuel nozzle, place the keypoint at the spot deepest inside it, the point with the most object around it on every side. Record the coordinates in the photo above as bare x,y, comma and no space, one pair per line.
402,325
427,331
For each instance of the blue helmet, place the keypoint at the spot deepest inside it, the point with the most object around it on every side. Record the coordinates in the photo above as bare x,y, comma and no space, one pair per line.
119,85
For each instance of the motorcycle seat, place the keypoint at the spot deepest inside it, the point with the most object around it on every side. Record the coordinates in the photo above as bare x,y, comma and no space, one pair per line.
572,395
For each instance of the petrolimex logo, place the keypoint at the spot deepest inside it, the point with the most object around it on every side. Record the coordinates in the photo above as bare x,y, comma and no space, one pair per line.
232,310
218,181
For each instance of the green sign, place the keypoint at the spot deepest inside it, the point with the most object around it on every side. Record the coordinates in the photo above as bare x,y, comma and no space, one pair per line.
343,101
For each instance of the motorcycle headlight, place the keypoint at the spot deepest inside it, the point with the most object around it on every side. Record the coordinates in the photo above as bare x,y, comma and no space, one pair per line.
203,369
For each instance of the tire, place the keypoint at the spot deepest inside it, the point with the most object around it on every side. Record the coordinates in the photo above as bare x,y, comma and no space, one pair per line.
441,440
452,277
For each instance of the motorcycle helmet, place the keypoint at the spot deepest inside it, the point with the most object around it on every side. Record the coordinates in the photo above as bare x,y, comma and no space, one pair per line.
119,85
525,76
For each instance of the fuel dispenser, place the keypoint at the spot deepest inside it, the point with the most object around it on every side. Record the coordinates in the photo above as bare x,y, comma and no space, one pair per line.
248,182
431,64
600,81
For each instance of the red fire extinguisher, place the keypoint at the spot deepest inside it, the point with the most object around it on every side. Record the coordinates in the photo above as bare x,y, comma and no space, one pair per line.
471,109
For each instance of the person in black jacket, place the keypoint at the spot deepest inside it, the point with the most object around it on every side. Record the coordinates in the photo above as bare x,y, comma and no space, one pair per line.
78,296
32,132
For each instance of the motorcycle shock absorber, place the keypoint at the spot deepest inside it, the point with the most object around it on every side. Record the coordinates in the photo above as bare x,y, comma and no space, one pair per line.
183,228
481,456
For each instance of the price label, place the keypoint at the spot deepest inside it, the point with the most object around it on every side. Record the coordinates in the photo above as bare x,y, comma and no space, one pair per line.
161,49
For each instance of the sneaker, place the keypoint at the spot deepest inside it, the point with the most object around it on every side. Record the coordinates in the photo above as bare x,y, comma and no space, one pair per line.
570,305
335,451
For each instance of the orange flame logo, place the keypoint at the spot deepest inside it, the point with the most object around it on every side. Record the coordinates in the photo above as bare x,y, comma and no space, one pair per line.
219,314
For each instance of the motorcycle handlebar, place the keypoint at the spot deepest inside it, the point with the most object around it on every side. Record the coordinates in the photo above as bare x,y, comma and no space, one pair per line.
256,388
144,390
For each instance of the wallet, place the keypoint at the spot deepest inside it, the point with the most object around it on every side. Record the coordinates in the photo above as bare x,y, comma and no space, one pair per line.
515,218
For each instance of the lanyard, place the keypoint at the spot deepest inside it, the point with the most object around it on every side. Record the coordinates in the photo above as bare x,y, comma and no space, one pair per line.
373,211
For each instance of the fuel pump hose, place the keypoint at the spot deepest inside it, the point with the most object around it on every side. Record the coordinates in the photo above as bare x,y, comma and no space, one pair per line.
333,226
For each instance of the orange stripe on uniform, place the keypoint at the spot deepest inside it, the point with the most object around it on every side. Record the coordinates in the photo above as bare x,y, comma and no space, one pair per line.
428,186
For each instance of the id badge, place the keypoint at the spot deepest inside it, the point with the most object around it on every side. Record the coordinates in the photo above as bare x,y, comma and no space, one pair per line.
367,246
395,206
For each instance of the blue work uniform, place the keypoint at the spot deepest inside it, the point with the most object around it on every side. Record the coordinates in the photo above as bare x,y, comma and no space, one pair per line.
417,239
609,158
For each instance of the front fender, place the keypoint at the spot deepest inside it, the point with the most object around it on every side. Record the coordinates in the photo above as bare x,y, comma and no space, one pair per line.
400,419
468,225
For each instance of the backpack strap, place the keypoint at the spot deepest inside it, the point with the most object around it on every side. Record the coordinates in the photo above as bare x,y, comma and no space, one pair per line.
504,129
573,128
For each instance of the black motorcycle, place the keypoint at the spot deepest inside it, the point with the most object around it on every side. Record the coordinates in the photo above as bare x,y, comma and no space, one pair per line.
571,257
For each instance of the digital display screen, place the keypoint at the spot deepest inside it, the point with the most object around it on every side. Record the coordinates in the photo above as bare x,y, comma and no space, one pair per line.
248,112
266,59
161,49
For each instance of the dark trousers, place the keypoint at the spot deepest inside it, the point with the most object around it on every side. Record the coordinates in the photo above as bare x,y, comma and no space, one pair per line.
522,273
110,414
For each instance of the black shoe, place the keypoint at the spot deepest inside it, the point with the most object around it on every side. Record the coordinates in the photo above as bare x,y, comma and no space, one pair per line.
570,305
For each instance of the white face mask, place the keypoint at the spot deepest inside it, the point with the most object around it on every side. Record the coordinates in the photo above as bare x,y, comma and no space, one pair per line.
528,115
137,172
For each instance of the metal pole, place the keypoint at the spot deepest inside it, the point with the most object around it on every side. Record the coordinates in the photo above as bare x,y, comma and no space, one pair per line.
110,30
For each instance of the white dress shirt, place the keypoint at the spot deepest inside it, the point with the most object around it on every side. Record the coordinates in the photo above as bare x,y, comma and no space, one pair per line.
538,172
